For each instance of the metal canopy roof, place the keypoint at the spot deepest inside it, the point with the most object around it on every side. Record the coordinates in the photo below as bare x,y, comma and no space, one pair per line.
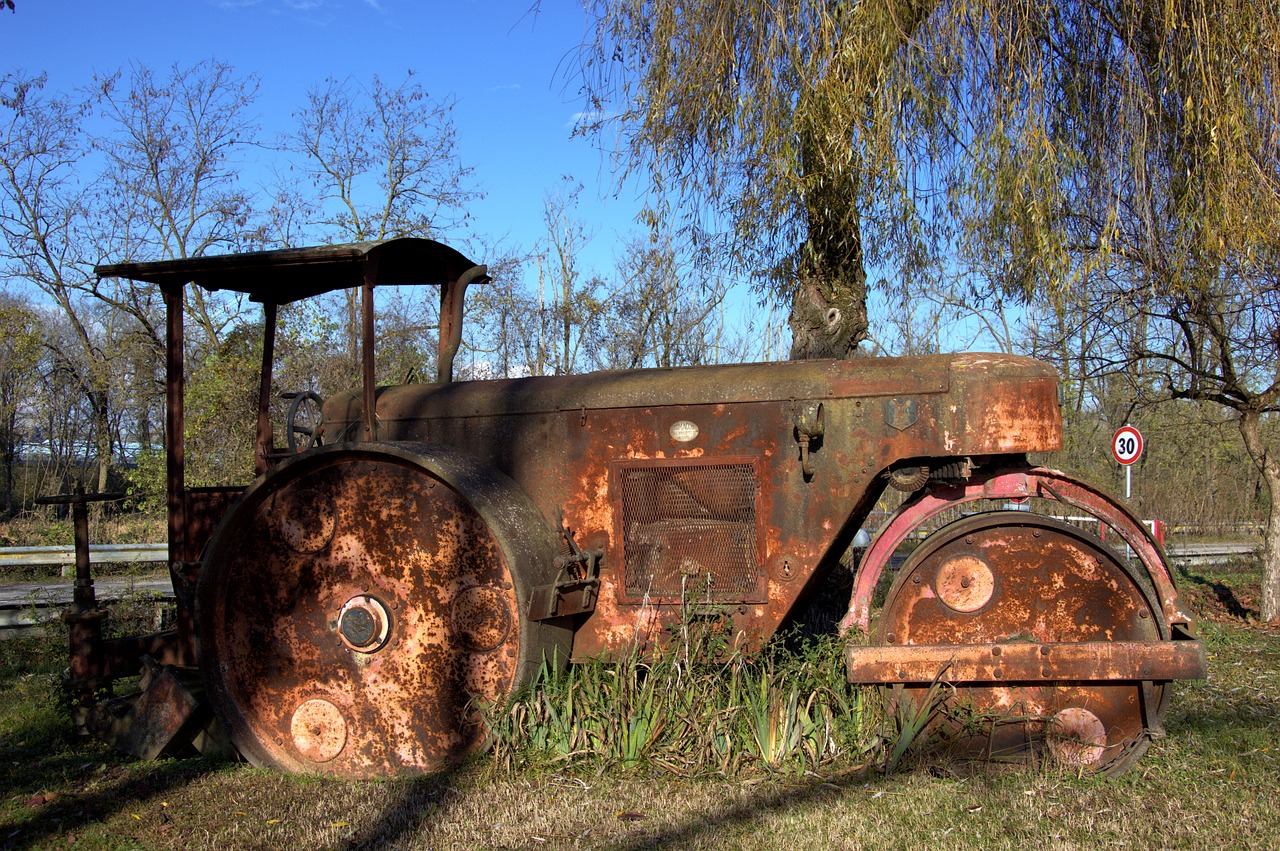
290,274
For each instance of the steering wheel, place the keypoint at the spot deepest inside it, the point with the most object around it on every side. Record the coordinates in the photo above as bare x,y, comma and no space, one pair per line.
304,419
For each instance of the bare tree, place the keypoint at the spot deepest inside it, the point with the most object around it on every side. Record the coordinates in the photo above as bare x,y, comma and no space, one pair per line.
43,216
171,186
382,162
570,303
662,312
156,180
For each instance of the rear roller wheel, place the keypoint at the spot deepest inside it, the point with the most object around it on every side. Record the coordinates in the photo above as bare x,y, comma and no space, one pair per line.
359,603
1010,576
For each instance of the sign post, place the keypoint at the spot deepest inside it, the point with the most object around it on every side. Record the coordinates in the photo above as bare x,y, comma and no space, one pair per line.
1126,448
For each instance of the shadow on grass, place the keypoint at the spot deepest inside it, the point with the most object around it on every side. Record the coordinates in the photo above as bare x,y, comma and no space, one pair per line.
53,781
1225,594
1241,732
813,791
69,811
421,799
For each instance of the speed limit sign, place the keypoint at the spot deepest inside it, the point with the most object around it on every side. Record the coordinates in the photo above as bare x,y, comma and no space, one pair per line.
1126,445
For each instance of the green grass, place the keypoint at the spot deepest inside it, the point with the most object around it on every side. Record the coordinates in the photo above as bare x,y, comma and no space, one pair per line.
696,710
1211,783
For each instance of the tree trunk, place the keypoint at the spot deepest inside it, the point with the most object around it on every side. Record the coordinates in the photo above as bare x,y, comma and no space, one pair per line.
828,318
6,507
829,308
1269,465
103,427
1271,548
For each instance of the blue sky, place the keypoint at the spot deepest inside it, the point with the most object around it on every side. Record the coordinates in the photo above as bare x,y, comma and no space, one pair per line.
508,66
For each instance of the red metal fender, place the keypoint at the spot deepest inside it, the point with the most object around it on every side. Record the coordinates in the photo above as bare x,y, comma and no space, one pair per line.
1012,483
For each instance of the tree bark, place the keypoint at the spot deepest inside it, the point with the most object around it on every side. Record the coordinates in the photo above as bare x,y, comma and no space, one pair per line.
829,307
102,424
1271,549
828,319
1269,465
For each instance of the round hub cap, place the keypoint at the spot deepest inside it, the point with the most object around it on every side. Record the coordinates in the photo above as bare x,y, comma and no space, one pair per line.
1077,736
319,730
364,624
965,583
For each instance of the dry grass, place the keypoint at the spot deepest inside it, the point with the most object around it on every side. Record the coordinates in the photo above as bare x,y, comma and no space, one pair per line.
1167,803
42,527
1210,784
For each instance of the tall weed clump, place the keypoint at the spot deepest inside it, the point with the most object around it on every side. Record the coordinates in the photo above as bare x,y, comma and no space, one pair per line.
695,707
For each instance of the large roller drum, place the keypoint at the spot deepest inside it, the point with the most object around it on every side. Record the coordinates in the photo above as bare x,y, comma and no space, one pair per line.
361,603
1010,578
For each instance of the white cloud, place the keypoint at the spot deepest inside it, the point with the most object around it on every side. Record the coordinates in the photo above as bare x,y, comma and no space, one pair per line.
591,117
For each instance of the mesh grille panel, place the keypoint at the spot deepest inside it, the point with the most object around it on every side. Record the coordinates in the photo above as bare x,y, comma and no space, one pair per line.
690,527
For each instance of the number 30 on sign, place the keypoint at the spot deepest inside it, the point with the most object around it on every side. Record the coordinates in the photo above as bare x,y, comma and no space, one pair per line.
1126,445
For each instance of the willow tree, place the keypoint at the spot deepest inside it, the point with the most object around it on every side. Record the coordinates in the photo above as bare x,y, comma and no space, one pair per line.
766,130
1120,164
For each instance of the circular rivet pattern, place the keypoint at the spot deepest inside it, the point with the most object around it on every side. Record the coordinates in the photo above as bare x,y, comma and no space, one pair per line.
306,520
480,618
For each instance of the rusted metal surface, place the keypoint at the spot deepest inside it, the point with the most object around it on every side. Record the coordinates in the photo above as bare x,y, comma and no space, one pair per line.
575,440
175,389
575,589
451,303
264,443
1028,661
288,275
355,605
1013,484
83,618
690,530
1015,670
204,509
161,719
123,657
368,365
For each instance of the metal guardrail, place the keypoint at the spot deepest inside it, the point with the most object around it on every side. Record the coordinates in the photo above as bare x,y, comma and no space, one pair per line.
26,604
1214,553
65,556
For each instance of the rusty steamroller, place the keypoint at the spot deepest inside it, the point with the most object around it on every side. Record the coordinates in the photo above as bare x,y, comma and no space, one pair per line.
405,551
